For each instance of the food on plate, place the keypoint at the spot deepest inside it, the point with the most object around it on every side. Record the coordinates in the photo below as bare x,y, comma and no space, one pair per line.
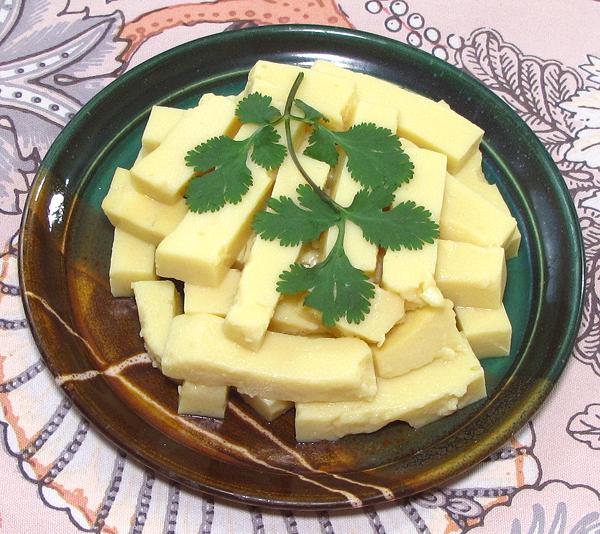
341,251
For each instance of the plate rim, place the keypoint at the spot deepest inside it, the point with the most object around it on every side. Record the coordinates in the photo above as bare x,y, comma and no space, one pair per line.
477,453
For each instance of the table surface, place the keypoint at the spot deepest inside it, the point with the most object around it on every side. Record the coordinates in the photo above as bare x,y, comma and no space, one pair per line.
541,56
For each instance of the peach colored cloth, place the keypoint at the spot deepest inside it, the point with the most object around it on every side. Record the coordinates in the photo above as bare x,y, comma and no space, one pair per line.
541,56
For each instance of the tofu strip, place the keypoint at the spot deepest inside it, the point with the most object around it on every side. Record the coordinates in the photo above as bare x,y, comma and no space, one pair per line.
361,253
423,121
161,121
410,273
286,367
163,174
419,397
205,245
257,295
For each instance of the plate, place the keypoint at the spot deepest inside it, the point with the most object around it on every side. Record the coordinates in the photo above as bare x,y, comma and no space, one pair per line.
84,333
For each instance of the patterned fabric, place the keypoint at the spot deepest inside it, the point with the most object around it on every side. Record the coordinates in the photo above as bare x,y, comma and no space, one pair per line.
60,476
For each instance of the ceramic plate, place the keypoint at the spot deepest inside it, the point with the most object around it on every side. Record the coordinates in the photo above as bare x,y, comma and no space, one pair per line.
79,327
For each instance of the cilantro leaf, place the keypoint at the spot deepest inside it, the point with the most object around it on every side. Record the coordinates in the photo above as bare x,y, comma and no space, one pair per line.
404,226
335,287
375,155
310,113
293,224
257,109
321,146
267,152
229,180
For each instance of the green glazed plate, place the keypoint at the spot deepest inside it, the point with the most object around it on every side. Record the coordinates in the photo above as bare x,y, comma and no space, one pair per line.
65,254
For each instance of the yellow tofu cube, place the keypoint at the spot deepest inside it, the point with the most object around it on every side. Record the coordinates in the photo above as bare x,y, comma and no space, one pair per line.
418,398
161,121
472,170
387,309
293,368
163,174
292,317
410,273
469,217
205,245
361,253
157,303
137,213
425,334
131,260
470,275
489,331
333,97
197,399
269,409
215,300
257,295
420,119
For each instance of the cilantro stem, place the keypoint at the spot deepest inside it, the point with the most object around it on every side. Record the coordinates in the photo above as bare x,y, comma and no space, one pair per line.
290,145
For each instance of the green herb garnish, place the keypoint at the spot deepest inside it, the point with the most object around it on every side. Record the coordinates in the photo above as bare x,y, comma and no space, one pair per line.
375,160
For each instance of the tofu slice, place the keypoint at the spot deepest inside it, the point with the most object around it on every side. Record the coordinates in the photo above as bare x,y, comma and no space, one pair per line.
361,253
387,309
131,260
214,300
157,301
425,334
161,121
137,213
472,169
469,275
293,368
333,97
197,399
418,398
420,119
163,174
205,245
257,295
410,273
292,317
469,217
489,331
269,409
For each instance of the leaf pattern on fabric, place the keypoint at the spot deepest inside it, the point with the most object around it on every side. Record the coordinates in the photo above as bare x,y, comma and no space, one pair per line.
585,426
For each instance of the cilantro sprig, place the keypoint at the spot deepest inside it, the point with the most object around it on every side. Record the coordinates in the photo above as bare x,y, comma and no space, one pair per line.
375,160
335,287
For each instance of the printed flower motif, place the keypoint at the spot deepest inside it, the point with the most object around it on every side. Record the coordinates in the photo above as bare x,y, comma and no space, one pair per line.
585,107
585,426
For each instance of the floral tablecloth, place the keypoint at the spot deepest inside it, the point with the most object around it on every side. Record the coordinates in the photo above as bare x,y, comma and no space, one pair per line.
58,475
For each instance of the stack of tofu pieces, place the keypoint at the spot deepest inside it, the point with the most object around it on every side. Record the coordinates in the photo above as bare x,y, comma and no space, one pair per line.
436,311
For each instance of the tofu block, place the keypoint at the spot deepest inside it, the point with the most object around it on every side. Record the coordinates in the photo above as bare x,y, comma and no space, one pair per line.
471,171
205,245
269,409
420,119
425,334
469,217
469,275
215,300
418,398
489,331
157,303
333,97
131,260
257,295
387,309
361,253
286,367
410,273
137,213
163,174
292,317
197,399
161,121
491,193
